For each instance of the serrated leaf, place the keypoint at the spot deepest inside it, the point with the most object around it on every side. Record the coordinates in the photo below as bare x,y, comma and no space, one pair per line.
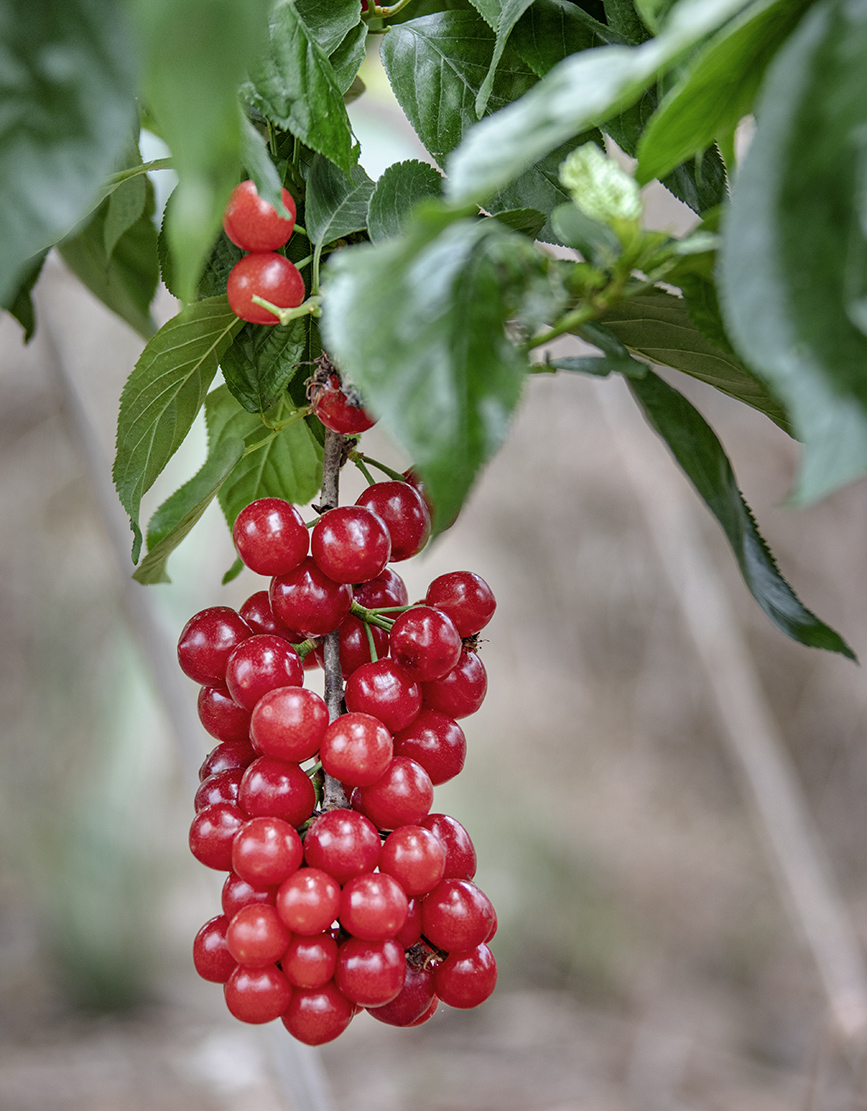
287,466
66,84
336,204
795,241
20,304
177,516
329,23
551,30
701,456
125,206
622,16
163,395
580,91
257,162
394,196
717,88
261,361
126,280
223,256
527,221
294,85
347,58
441,373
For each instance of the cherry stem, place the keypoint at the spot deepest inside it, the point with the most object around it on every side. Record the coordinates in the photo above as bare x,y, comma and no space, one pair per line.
393,609
359,459
310,307
370,617
304,647
371,643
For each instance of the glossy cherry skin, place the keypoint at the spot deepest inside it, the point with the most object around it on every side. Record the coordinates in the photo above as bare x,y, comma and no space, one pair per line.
229,754
318,1015
425,644
308,901
261,664
462,691
415,857
342,843
456,916
270,536
427,1014
405,514
410,932
308,600
269,276
309,962
257,613
465,597
355,645
373,906
252,223
387,589
384,691
289,723
436,742
402,796
266,851
350,544
339,408
460,851
466,979
206,642
212,832
222,787
222,716
238,893
370,973
257,994
256,936
356,749
413,1000
275,788
211,954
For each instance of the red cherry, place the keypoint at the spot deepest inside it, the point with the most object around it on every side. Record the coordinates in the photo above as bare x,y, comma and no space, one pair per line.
383,690
339,407
275,788
410,933
308,901
456,916
270,536
356,749
222,787
436,742
413,1000
206,642
308,600
238,893
402,796
405,514
309,962
318,1015
342,843
465,597
373,906
415,857
460,692
387,589
289,723
425,644
355,646
212,832
255,225
460,852
269,276
211,954
222,716
260,664
257,994
256,936
257,613
370,973
266,851
466,979
350,544
229,754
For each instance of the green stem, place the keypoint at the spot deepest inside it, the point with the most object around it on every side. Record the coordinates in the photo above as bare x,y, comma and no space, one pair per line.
124,175
396,475
371,643
258,444
371,618
358,460
304,262
574,319
299,414
311,307
393,609
304,647
317,257
300,230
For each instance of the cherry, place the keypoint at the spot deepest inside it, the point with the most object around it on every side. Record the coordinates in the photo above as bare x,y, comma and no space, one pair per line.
318,1015
289,723
308,600
402,796
342,843
339,407
426,1015
460,852
257,994
255,225
465,597
260,664
466,979
206,642
413,1000
229,754
387,589
211,954
308,901
456,916
425,644
256,936
410,932
275,788
355,646
222,787
212,832
238,893
356,749
370,973
461,691
309,962
269,276
266,851
350,544
436,742
373,906
383,690
270,536
415,857
258,614
222,716
405,514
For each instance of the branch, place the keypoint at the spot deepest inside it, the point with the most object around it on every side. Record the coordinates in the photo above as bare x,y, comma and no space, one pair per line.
334,796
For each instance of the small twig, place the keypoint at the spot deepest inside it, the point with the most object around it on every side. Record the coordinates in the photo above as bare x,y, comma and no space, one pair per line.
334,796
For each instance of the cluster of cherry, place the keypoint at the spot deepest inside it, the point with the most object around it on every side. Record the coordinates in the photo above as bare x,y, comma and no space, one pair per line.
367,902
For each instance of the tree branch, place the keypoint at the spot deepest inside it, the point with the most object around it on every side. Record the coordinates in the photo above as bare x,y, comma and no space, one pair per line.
334,796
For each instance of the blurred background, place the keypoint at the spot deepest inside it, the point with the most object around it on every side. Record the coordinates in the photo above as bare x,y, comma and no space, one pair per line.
650,957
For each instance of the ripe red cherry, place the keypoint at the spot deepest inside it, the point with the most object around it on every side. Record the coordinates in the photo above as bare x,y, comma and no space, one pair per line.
355,646
350,544
206,642
308,600
339,407
211,954
212,832
275,788
410,933
222,716
308,901
460,692
456,916
387,589
229,754
370,973
465,597
270,536
425,644
260,664
255,225
257,613
402,796
373,906
356,749
257,994
289,723
436,742
383,690
269,276
460,851
309,962
415,857
256,936
266,851
318,1015
466,979
405,514
222,787
342,843
413,1000
238,893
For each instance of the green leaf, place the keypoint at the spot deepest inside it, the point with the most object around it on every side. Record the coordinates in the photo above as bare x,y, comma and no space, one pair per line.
527,221
259,364
717,88
795,241
125,280
654,12
288,465
257,162
224,254
600,365
66,85
347,58
658,326
580,91
197,52
510,12
551,30
395,195
175,518
294,85
329,23
701,456
596,241
336,204
125,206
441,373
622,16
20,304
163,395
